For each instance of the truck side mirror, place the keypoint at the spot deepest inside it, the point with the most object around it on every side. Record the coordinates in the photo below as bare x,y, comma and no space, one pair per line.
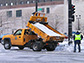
12,32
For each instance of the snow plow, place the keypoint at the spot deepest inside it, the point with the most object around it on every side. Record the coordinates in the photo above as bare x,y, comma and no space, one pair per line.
39,35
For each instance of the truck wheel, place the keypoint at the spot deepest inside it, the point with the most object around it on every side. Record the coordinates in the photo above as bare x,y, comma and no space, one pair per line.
7,45
50,48
21,47
36,47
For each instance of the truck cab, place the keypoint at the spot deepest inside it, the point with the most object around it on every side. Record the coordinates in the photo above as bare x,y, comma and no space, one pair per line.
20,38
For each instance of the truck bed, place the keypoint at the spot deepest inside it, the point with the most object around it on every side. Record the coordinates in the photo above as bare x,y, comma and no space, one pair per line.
46,29
46,32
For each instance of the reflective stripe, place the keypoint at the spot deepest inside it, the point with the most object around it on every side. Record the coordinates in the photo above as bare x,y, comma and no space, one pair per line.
78,37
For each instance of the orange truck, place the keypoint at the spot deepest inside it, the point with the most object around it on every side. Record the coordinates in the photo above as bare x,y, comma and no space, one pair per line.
39,35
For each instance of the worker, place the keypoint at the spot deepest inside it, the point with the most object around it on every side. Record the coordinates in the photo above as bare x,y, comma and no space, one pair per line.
77,41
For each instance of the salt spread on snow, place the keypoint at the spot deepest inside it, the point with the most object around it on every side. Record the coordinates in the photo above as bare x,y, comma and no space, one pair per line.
46,30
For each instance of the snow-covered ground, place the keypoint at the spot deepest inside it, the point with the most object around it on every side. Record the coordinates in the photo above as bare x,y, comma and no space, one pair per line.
62,54
69,48
61,47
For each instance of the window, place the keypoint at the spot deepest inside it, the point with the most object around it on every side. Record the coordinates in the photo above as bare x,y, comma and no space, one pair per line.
50,0
21,2
27,31
16,3
48,10
18,32
11,4
39,0
27,2
45,0
18,13
33,1
1,5
9,13
6,4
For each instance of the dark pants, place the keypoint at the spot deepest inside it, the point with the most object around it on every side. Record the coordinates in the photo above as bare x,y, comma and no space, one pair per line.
79,48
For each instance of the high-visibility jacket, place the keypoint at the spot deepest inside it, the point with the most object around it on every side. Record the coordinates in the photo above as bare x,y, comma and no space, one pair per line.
78,37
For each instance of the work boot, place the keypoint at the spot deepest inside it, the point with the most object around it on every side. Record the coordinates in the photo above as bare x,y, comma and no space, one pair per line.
79,51
74,51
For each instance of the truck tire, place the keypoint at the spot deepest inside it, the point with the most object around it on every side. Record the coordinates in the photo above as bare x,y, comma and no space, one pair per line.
36,47
50,48
21,47
7,45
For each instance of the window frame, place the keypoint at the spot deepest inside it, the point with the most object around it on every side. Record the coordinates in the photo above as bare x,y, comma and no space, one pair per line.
47,10
18,13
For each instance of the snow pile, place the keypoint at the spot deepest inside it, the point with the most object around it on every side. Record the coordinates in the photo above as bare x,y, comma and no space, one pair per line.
82,44
46,30
69,48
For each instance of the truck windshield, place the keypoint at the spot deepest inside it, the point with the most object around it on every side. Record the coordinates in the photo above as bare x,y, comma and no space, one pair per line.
18,32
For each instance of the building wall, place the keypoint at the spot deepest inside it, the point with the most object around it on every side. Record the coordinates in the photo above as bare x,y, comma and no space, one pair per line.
55,17
9,24
79,4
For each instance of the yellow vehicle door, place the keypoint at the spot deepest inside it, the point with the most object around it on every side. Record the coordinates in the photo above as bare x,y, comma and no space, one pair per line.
29,35
26,36
17,37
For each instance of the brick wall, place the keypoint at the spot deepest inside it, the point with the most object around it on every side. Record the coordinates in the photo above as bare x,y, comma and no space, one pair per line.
31,5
